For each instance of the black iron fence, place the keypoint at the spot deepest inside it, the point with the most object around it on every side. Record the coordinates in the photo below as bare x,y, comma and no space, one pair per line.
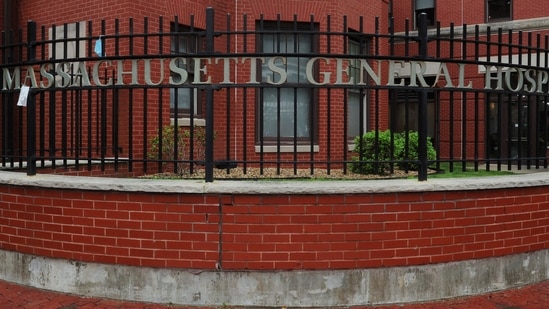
293,98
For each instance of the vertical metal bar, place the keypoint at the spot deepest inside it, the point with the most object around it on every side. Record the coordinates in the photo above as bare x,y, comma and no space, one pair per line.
437,132
195,48
278,49
65,100
6,102
158,156
509,105
312,106
422,110
161,50
393,106
208,164
497,156
329,105
18,149
52,121
346,39
464,131
244,96
89,126
545,98
376,94
145,92
531,123
228,107
451,105
76,105
176,130
477,128
42,129
261,107
31,134
31,104
42,113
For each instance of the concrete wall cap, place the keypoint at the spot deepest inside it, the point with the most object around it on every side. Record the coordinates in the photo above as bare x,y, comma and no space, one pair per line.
275,186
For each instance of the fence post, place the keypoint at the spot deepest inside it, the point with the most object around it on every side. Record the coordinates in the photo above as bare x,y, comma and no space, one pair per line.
31,104
422,109
208,156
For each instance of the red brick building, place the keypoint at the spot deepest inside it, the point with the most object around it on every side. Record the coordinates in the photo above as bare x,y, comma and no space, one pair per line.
509,124
303,15
275,109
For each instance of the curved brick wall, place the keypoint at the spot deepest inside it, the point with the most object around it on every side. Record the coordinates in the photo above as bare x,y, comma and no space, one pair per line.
253,226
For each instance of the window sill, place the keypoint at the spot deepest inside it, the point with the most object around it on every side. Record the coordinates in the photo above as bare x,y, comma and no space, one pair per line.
351,147
287,148
499,20
186,122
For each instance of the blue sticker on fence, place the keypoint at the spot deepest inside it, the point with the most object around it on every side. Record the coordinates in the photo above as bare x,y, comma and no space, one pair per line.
99,47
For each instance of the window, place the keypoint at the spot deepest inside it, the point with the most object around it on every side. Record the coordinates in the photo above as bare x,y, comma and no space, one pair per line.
185,100
427,7
498,10
405,109
68,46
286,113
357,99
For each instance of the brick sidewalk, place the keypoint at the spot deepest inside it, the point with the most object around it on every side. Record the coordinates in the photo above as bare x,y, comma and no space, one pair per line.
15,296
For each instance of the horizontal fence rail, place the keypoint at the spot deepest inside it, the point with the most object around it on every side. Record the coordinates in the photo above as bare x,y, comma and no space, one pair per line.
271,98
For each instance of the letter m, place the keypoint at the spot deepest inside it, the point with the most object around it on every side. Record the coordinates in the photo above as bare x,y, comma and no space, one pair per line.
10,82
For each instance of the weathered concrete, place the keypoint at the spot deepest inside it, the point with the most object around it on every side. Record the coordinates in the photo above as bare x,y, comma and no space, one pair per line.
534,178
528,24
285,288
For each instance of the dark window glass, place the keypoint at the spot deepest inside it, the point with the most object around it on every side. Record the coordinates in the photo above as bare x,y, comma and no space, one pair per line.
498,10
184,100
406,105
286,113
357,99
427,7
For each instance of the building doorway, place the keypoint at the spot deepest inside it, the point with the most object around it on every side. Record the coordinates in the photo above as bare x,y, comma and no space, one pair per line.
517,127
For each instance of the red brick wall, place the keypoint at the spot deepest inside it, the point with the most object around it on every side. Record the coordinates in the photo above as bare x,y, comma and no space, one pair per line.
59,12
273,232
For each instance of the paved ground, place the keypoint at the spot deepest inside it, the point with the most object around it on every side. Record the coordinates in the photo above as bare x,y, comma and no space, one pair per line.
15,296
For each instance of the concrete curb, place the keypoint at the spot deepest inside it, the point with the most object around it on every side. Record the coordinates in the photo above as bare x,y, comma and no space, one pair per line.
274,289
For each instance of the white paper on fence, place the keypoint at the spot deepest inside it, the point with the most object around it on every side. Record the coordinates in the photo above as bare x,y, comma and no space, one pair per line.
23,96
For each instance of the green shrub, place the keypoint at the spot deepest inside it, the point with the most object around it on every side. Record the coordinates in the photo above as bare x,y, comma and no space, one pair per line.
413,151
375,153
373,150
163,146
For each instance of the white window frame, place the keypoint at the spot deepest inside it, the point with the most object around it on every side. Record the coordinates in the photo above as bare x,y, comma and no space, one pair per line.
304,142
